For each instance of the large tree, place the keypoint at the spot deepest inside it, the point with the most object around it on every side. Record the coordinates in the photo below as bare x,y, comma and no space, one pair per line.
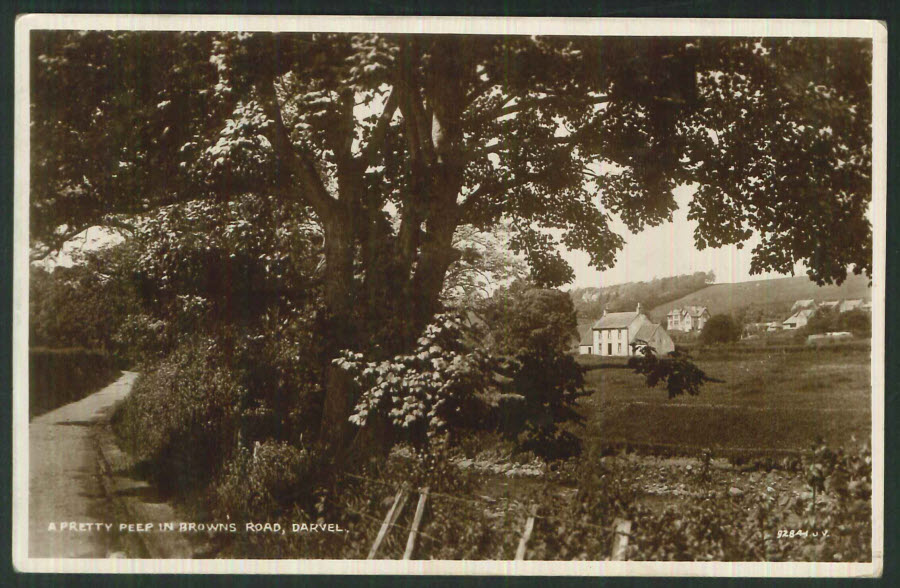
394,142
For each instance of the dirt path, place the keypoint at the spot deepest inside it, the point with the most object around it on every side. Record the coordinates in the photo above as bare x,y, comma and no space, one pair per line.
64,484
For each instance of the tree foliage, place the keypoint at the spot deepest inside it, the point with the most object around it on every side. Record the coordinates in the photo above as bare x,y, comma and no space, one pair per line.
421,394
524,318
769,129
392,143
720,328
81,306
827,320
530,332
679,373
485,263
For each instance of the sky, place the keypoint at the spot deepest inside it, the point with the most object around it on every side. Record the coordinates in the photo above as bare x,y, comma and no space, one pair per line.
91,239
668,250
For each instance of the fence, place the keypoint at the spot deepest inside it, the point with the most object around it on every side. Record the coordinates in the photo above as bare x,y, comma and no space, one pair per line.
621,528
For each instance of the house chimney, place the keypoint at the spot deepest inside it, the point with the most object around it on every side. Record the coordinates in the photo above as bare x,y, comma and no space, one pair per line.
639,308
604,312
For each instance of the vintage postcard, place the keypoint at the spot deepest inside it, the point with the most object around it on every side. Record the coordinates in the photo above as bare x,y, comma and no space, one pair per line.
449,295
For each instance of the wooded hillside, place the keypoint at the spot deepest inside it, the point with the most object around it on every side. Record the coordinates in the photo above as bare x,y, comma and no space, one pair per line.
590,302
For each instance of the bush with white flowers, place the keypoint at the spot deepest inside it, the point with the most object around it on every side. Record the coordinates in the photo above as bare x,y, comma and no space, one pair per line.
420,393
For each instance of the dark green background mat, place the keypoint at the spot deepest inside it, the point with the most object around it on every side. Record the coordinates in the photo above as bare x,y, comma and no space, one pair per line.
863,9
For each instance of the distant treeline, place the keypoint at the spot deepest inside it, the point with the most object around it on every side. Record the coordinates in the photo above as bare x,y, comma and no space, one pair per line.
60,376
74,315
590,302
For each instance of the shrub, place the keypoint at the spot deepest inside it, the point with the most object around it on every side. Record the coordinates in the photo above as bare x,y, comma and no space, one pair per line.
234,387
421,393
530,333
182,418
79,306
750,527
720,328
826,320
59,376
259,484
550,384
858,322
711,524
580,527
145,338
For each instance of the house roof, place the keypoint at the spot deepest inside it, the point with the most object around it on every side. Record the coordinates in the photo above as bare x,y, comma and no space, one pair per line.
615,320
803,303
645,333
805,313
585,334
694,311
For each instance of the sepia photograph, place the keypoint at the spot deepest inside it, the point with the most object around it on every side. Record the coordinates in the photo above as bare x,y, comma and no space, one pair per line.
449,295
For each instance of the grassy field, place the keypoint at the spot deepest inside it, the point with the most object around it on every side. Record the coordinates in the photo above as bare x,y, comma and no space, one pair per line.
768,401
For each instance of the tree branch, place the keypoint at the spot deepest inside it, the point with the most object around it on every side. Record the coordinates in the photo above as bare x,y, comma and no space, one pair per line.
479,89
376,140
300,164
415,119
53,244
533,102
494,189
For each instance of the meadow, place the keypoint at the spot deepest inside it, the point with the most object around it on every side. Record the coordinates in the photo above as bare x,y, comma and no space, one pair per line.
766,401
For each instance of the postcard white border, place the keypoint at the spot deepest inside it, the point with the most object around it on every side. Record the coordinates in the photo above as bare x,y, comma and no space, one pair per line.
875,30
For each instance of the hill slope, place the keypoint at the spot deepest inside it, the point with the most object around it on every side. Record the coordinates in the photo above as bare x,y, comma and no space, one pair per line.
765,298
591,302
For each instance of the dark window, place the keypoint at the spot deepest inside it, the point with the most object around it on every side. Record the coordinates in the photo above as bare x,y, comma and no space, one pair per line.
609,349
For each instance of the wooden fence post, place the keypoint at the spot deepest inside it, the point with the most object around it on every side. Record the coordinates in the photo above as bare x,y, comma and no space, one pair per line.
414,529
389,520
620,540
526,535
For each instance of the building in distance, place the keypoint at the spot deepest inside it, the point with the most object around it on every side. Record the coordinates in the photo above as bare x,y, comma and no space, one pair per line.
687,319
621,334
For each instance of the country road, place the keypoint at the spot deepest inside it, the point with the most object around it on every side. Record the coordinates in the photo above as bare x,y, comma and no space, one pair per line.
64,478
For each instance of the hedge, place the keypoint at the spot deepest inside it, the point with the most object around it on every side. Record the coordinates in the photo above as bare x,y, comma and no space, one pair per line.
60,376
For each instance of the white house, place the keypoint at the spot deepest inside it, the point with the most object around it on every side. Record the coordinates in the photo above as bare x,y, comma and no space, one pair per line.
803,304
689,318
798,319
830,304
850,304
618,333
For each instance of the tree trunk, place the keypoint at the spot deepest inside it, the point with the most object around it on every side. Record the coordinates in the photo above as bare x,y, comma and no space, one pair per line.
340,391
401,291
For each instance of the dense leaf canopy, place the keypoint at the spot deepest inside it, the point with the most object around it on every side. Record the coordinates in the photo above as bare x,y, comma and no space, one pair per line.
397,138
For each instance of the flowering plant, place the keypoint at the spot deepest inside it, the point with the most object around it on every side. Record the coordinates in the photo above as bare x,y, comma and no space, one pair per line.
420,393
